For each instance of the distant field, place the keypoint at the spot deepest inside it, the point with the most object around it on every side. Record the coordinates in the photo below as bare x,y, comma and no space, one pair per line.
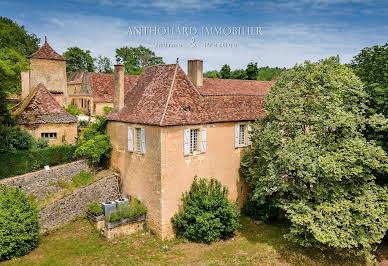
78,243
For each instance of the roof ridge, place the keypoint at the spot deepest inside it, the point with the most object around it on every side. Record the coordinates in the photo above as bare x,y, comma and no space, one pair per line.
24,104
169,94
244,80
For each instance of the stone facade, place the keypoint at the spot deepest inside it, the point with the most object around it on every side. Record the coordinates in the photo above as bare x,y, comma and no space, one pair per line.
66,133
75,204
163,173
43,183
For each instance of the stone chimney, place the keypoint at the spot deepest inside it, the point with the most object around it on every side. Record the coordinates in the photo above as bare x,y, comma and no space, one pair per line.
25,83
118,100
195,72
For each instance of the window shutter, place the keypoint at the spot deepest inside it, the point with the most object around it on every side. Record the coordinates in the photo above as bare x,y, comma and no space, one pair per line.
143,146
186,142
249,135
203,140
236,136
130,139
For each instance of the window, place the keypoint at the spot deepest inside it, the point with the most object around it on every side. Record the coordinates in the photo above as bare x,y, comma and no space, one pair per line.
241,137
138,139
49,135
193,140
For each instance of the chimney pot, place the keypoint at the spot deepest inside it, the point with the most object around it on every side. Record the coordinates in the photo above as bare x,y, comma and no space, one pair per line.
195,72
118,101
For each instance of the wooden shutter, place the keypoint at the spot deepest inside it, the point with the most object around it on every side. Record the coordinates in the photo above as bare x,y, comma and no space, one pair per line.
236,136
249,135
186,142
203,139
142,146
130,139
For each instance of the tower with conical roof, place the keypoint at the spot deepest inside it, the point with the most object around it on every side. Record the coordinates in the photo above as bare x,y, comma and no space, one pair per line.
48,68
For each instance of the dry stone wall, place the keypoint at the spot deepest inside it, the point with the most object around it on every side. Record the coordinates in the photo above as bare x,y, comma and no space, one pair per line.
75,204
43,183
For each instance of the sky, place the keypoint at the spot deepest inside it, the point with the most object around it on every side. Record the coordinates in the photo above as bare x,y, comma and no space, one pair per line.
282,33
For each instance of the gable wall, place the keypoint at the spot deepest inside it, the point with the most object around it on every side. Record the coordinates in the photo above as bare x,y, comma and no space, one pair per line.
67,131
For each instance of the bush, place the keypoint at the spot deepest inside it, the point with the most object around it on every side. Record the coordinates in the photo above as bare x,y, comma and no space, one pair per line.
131,210
95,209
263,212
95,144
74,110
22,162
107,109
82,179
19,223
19,140
207,214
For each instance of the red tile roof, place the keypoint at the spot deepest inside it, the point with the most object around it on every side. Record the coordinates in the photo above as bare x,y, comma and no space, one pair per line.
163,95
41,107
46,52
102,85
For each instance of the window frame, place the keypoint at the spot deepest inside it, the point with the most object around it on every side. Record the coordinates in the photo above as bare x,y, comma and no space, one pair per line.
137,139
49,135
195,140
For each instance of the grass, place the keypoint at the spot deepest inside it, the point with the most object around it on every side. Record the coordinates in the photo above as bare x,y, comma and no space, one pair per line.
79,243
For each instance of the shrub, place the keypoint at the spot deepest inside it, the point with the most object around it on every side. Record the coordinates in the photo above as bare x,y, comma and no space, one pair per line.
19,223
19,140
74,110
22,162
207,214
42,143
263,212
131,210
82,179
107,109
95,209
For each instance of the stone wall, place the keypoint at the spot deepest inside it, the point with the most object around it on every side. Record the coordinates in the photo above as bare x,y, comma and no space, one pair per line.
43,183
75,204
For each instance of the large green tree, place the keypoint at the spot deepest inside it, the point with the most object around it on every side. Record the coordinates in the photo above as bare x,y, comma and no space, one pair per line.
252,71
311,160
78,59
225,72
136,59
103,65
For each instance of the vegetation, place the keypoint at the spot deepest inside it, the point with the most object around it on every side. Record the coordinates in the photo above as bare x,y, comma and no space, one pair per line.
136,59
259,212
103,65
130,210
82,179
78,59
107,109
74,110
79,243
311,160
95,209
21,162
95,143
19,223
207,214
370,65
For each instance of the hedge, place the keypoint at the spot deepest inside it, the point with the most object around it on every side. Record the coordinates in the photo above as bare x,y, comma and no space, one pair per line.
21,162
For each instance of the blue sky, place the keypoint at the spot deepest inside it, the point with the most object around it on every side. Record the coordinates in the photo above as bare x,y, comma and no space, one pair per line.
292,31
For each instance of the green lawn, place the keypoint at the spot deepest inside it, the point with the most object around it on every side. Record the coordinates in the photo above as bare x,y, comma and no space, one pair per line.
79,243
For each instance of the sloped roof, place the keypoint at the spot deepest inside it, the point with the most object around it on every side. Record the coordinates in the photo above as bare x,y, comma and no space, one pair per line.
40,107
101,84
217,87
163,95
47,52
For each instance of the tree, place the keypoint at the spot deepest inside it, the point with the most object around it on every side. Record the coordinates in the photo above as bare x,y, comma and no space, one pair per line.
239,74
78,59
225,72
311,160
370,65
268,73
16,37
103,65
252,71
211,74
137,59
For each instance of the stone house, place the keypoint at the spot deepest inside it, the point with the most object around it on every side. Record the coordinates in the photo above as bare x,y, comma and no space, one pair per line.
91,92
48,68
169,127
42,115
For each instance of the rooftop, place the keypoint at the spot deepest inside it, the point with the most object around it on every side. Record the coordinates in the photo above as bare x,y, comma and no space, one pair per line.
47,52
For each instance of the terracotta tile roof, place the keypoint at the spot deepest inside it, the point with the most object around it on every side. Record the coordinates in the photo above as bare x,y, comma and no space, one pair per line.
234,87
102,85
40,107
164,96
46,52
